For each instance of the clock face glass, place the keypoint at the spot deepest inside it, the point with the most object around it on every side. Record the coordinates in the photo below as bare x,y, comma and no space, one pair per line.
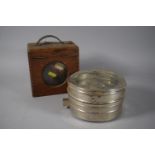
55,73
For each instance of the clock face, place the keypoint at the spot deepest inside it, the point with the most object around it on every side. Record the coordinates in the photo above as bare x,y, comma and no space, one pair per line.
55,73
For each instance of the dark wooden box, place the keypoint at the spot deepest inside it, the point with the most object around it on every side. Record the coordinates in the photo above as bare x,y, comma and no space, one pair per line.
50,64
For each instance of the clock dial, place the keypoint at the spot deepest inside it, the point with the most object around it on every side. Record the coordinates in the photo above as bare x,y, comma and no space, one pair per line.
55,73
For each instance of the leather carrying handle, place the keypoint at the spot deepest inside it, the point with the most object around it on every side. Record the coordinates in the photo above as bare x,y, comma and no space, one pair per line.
48,36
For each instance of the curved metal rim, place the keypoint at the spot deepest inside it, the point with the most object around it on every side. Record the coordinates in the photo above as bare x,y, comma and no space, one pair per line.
121,80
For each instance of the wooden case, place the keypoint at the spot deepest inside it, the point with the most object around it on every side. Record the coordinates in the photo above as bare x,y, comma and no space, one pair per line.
50,64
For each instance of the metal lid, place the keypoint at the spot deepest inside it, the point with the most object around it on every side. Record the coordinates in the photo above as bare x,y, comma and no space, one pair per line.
96,81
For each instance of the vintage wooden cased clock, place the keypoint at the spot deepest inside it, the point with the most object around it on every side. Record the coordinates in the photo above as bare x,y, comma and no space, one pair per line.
50,65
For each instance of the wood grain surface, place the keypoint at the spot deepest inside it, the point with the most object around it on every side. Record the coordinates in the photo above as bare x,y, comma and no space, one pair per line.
41,55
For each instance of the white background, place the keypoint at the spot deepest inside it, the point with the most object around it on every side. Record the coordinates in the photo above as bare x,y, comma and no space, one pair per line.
99,12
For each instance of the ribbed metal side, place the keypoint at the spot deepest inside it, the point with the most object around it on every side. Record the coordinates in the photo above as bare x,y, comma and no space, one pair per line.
95,105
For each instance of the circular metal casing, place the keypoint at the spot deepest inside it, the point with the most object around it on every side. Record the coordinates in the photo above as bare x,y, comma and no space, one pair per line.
96,95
